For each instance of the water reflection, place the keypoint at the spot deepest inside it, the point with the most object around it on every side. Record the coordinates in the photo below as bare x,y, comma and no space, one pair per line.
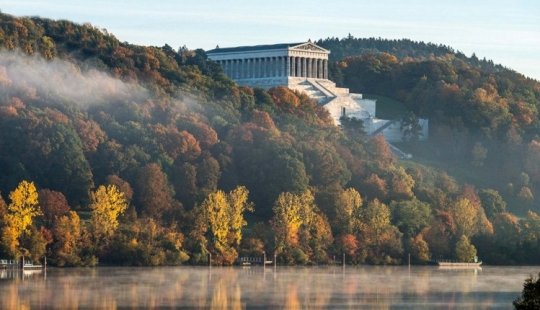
263,288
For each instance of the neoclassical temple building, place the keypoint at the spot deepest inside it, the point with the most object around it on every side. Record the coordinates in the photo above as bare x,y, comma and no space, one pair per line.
302,67
272,65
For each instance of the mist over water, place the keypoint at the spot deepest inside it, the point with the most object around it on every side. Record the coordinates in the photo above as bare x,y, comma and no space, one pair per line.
366,287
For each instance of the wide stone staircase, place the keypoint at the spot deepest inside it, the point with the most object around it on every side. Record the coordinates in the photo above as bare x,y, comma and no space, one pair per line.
315,90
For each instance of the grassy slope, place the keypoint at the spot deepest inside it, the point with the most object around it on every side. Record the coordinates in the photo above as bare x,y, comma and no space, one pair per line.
387,108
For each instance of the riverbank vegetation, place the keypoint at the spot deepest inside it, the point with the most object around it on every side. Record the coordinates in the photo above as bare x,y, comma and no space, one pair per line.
121,154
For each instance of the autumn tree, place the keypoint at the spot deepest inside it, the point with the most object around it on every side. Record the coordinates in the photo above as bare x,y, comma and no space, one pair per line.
347,211
67,231
464,214
154,195
439,234
287,220
445,183
379,237
418,248
401,185
301,232
215,207
23,208
224,216
381,153
238,205
108,203
53,205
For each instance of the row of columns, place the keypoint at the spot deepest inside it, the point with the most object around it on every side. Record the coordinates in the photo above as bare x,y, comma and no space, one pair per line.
282,66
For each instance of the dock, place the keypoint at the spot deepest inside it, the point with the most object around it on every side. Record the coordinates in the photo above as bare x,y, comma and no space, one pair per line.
14,264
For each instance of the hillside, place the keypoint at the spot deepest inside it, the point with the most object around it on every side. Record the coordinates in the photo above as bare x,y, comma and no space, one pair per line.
141,155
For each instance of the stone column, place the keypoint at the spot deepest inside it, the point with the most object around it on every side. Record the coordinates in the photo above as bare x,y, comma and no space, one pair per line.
240,68
224,66
304,67
309,67
293,65
256,70
325,69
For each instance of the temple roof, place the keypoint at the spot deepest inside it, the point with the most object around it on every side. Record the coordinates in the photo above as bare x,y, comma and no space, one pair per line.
253,48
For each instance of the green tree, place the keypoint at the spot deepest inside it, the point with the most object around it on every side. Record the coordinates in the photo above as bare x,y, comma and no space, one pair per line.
465,251
492,202
411,216
530,296
410,128
379,237
479,154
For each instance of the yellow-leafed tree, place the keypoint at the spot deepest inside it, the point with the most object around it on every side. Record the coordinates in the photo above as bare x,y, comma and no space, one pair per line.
218,215
23,207
21,211
238,204
224,214
108,203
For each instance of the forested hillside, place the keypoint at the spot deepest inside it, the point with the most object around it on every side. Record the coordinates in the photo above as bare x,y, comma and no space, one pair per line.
136,155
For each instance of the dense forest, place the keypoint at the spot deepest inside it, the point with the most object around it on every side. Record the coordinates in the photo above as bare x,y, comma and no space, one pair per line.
114,153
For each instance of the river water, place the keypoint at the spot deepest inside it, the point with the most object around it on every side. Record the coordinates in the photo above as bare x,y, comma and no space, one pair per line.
257,287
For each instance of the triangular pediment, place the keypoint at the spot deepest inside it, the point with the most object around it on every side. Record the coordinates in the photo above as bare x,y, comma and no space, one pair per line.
309,46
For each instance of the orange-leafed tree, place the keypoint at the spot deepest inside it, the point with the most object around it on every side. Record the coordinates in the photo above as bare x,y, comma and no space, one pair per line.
154,194
68,232
53,205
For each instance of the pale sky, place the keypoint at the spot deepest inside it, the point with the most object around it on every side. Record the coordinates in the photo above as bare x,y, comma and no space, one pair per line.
507,32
